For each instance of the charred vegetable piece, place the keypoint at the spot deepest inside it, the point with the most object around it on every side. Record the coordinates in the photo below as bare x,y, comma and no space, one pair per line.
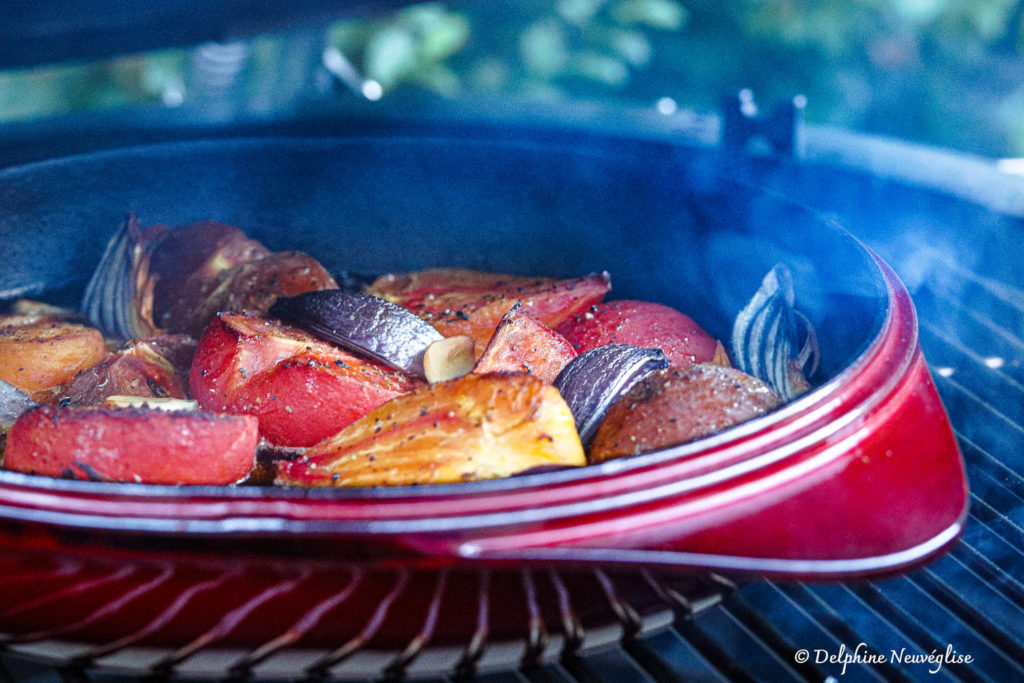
594,380
640,323
37,356
362,323
302,389
677,405
252,286
767,334
154,368
119,296
132,445
191,257
522,344
467,302
474,427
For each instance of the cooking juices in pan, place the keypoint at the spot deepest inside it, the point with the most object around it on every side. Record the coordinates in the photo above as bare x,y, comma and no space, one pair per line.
198,347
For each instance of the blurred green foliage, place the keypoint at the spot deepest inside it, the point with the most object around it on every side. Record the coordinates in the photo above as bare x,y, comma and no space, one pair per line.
945,72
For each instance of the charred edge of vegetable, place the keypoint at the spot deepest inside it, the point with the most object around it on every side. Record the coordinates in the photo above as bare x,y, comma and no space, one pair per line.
595,379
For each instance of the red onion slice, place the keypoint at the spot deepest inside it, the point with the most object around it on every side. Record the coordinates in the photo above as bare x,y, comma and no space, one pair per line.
12,404
595,379
119,297
362,323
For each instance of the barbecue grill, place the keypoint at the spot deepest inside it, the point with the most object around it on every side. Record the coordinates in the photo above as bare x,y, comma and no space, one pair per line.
949,224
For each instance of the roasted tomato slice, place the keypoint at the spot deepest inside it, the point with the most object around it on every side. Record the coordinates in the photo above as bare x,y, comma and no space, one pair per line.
677,405
645,324
466,302
474,427
132,445
300,388
37,354
153,368
522,344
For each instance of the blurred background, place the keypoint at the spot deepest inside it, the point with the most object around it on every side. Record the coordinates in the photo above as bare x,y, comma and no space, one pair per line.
941,72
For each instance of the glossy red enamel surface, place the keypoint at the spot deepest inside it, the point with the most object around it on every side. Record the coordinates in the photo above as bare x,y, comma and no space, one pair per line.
806,483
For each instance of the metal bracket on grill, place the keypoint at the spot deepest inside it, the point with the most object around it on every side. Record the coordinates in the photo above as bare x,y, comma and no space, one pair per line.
744,129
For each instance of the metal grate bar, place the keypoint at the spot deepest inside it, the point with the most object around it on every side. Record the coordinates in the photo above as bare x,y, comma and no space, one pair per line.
550,673
497,677
959,280
876,628
969,322
995,522
711,651
975,378
670,658
978,460
607,665
959,590
991,430
934,627
805,627
771,638
981,565
825,615
746,656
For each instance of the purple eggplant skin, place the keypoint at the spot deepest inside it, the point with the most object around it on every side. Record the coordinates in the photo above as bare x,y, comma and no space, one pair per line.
362,323
595,379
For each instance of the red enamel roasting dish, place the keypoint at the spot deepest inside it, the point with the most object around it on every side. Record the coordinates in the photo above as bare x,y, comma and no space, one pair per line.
861,476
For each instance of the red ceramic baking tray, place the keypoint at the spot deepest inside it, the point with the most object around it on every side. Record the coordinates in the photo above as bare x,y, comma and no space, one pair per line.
861,476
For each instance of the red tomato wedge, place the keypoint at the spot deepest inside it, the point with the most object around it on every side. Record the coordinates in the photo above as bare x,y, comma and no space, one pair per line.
522,344
300,388
132,445
467,302
641,323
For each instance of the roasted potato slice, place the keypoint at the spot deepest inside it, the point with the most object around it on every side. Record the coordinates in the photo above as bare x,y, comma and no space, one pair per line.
38,356
474,427
676,405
